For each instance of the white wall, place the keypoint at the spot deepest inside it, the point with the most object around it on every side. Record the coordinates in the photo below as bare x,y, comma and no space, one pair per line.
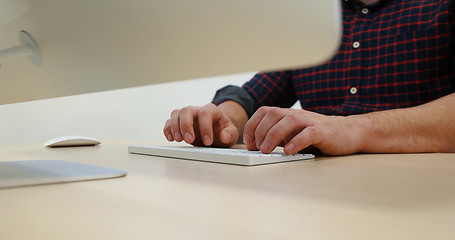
135,113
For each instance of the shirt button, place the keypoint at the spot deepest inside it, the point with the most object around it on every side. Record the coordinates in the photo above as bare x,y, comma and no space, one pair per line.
365,10
353,91
355,44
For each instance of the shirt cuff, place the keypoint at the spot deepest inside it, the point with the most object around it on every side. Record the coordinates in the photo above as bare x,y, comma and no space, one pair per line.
236,94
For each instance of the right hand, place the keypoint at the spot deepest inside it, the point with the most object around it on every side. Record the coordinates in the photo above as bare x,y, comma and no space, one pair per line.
201,126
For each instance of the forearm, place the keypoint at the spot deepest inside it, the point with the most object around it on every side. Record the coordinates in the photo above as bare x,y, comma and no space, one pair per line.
236,113
426,128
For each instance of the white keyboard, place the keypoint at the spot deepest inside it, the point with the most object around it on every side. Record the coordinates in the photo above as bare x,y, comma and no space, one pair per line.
219,155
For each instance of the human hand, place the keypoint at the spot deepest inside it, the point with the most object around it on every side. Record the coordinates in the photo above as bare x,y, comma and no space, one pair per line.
296,130
201,126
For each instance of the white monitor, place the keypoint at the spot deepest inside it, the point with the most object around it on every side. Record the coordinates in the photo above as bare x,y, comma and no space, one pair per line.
96,45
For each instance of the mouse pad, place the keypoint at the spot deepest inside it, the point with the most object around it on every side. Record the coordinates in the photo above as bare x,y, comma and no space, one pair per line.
35,172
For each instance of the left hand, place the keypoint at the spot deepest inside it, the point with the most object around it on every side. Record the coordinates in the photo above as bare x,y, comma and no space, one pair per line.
296,130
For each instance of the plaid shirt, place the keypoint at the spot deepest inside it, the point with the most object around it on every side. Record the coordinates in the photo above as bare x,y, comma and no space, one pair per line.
393,54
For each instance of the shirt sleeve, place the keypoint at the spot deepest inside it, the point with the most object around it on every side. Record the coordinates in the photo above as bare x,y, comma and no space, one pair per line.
237,94
264,89
272,89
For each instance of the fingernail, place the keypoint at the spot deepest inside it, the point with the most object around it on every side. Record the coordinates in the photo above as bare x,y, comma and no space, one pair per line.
265,148
227,136
169,137
178,137
290,147
188,137
206,140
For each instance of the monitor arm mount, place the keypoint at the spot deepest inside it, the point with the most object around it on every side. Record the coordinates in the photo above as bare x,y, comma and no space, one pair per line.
28,48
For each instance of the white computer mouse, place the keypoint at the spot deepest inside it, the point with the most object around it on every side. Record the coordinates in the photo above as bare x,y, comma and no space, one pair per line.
71,141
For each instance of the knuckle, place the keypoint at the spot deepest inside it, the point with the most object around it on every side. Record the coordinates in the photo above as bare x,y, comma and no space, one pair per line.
293,117
209,105
260,111
274,110
274,134
206,110
187,110
175,112
263,109
167,124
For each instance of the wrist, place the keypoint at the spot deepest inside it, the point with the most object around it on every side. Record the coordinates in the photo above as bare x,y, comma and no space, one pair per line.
361,128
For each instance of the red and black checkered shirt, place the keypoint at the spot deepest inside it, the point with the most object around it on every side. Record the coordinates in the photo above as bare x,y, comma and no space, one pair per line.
394,54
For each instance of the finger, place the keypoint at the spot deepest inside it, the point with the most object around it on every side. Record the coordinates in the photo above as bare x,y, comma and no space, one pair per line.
307,137
206,117
250,128
269,122
167,131
186,122
175,125
279,133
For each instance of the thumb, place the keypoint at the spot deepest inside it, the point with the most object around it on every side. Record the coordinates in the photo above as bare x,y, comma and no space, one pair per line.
229,135
225,131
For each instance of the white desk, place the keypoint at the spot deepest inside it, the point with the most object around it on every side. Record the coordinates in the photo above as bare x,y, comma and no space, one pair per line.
352,197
